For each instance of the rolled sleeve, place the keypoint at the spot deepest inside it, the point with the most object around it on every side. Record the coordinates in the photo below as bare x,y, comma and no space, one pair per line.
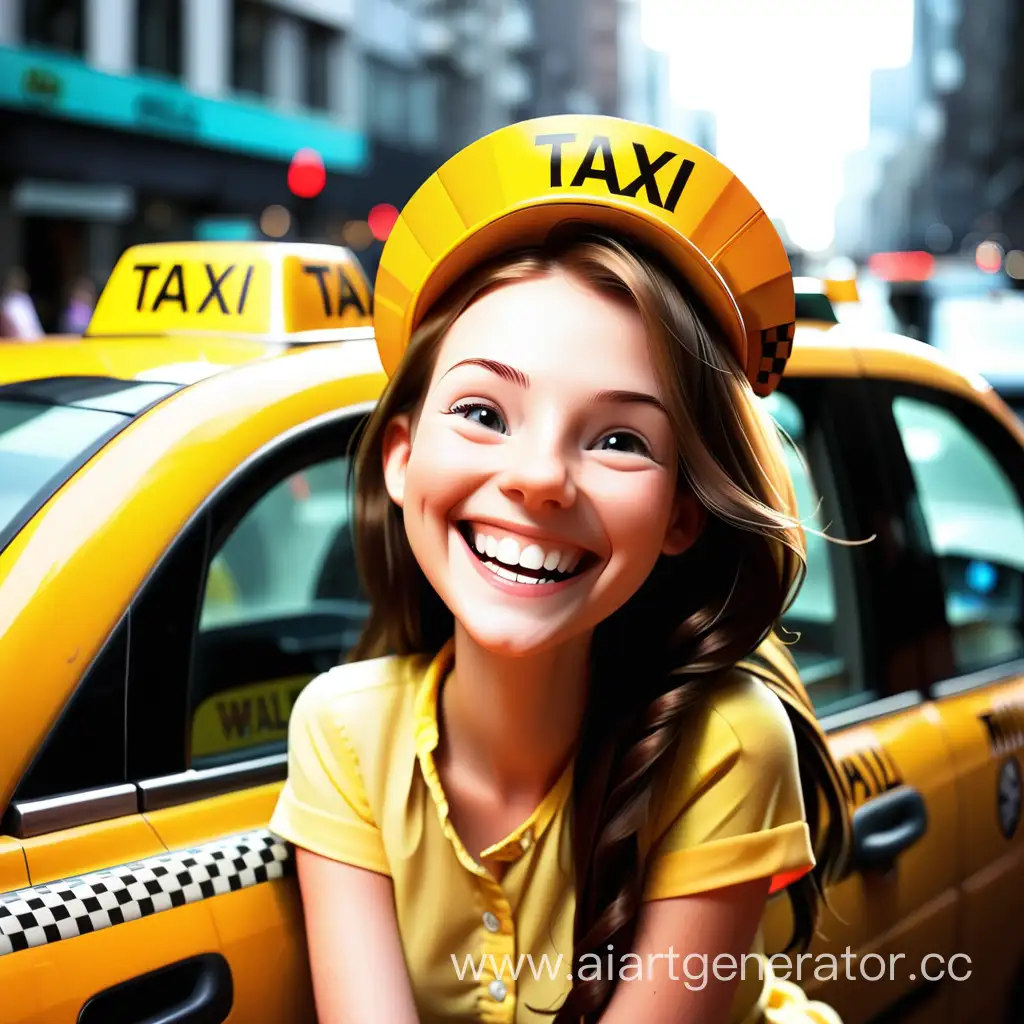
323,806
733,810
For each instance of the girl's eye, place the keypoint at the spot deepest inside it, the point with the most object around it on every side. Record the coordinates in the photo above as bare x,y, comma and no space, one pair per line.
624,441
485,415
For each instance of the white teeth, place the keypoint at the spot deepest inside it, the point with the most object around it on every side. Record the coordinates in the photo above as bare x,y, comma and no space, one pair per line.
525,579
508,551
504,573
532,557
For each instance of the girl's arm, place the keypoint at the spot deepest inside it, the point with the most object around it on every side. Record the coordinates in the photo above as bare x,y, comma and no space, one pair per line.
355,954
690,950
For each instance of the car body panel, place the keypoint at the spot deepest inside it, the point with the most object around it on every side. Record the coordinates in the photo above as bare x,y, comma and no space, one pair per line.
45,984
986,730
261,929
177,360
13,868
75,851
908,910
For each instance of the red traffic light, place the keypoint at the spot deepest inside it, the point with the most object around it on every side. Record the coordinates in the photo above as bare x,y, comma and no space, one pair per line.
381,220
306,174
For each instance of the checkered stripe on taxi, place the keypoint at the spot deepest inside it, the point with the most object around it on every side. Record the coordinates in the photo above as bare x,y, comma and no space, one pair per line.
64,909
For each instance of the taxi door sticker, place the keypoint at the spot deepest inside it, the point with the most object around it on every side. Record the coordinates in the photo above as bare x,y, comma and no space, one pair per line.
1004,729
245,716
869,773
869,768
1004,725
1009,797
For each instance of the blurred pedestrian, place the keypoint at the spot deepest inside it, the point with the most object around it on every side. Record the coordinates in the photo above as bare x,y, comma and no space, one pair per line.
79,309
18,318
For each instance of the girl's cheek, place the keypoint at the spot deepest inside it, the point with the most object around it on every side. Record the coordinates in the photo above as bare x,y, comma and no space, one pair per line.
629,500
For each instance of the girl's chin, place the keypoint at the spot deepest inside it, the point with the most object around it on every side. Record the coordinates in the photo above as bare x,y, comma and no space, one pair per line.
511,639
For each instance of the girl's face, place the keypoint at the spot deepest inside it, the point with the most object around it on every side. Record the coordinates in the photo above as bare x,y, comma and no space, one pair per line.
539,482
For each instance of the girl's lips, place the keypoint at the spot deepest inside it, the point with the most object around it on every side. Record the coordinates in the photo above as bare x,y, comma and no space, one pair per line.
513,586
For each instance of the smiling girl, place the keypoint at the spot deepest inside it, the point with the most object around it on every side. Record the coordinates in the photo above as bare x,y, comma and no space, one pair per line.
568,739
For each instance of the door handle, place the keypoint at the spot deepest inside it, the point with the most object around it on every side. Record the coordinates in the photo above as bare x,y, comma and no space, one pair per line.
887,825
194,991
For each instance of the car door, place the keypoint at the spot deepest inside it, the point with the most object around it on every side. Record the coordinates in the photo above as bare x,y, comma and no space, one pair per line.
95,923
859,654
258,597
963,469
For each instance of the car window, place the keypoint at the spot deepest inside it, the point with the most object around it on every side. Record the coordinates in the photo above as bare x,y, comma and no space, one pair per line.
975,522
39,442
281,604
812,619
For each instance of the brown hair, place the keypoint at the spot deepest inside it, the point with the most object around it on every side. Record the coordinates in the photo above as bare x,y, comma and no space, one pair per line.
672,639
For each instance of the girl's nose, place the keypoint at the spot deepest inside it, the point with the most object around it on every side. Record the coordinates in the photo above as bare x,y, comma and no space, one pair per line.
538,475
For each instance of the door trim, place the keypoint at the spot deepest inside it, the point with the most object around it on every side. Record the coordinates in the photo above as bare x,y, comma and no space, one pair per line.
198,784
28,818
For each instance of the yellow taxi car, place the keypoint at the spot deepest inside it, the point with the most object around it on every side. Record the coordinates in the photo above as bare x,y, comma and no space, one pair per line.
176,564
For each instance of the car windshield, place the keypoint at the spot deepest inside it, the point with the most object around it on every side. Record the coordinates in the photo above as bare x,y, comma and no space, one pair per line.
40,445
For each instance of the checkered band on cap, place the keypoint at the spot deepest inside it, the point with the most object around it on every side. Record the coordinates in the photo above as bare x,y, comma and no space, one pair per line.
776,347
71,907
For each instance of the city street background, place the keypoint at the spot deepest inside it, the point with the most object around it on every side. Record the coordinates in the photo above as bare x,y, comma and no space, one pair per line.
884,137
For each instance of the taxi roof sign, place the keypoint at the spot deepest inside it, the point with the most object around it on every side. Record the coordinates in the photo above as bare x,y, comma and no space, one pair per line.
273,291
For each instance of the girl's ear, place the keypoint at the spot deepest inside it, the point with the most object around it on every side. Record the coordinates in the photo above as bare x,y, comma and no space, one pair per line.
396,449
686,524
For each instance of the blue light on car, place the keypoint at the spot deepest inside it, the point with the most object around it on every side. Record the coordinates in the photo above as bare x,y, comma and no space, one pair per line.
981,577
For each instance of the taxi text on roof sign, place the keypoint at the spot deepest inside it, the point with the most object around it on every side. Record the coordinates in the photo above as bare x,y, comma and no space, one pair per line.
277,291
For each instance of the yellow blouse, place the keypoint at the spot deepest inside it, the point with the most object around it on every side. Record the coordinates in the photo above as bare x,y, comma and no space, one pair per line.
363,789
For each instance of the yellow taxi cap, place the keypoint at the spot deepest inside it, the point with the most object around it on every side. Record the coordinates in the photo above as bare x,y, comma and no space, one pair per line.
277,291
509,189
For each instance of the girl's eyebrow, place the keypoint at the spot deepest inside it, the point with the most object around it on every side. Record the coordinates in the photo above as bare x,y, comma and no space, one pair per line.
510,373
501,369
628,396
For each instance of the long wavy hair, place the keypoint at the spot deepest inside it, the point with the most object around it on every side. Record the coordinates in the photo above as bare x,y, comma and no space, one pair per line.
694,620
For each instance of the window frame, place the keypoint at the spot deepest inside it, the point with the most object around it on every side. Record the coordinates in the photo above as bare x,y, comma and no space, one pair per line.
80,43
175,42
319,41
327,436
175,784
262,15
823,402
945,678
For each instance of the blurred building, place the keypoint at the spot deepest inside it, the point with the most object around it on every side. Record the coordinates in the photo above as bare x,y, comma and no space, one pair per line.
944,168
136,120
980,193
886,204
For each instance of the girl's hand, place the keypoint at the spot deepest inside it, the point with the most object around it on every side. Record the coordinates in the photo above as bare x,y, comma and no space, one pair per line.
355,953
669,989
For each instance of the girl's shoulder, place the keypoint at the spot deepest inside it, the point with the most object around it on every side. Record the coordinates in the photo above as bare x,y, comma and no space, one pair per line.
742,720
750,707
361,696
736,750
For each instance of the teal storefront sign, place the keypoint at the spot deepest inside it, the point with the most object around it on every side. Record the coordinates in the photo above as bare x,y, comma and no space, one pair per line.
63,87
